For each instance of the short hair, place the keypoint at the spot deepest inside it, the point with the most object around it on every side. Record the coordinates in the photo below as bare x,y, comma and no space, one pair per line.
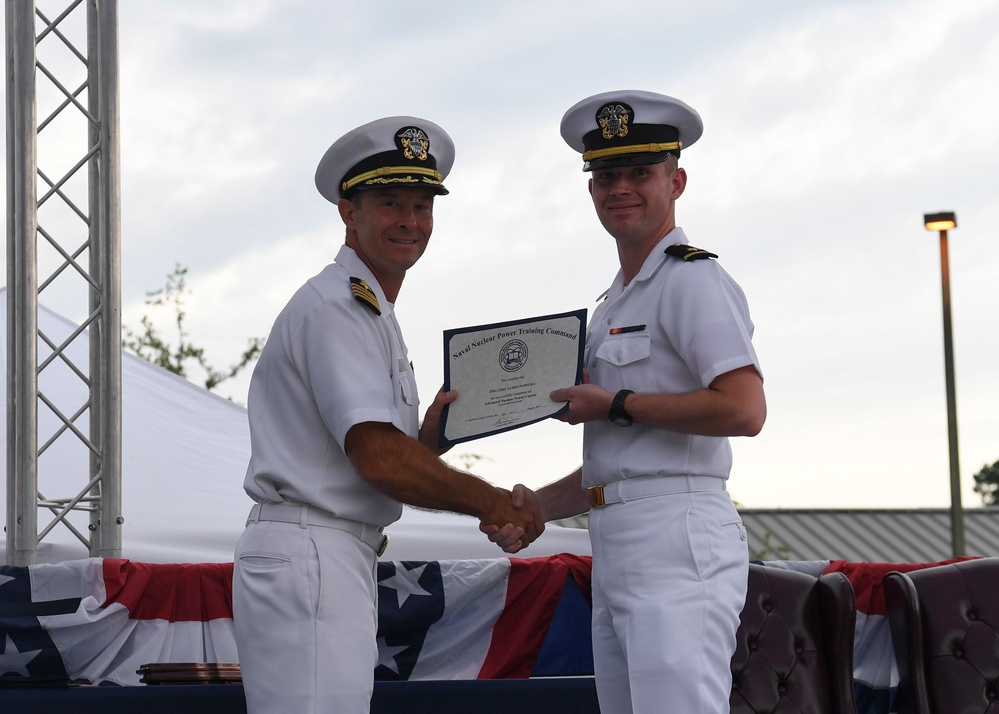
354,196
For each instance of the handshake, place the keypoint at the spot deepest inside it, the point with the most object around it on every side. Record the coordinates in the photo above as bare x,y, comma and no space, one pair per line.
515,520
511,519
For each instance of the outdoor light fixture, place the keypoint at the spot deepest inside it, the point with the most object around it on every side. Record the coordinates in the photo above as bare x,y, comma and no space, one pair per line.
943,222
940,221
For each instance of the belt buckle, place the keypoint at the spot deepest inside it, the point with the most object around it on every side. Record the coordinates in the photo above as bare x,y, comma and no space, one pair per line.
384,546
596,496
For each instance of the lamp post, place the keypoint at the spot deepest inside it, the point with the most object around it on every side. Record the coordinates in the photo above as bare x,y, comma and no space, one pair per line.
943,222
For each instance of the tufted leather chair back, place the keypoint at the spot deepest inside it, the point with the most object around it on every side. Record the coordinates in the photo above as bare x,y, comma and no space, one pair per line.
794,648
944,625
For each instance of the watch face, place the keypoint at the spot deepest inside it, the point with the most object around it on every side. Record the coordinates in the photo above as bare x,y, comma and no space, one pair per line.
621,421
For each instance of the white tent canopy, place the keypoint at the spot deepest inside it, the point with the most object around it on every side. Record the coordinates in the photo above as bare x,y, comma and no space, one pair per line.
184,455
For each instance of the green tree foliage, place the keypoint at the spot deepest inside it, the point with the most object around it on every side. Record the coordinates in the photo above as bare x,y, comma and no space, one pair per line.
987,484
769,551
468,460
153,347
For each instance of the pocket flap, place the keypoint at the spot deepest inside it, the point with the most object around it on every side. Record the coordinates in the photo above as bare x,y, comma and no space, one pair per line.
625,349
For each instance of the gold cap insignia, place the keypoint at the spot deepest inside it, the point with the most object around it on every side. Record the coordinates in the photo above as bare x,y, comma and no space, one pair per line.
613,120
414,143
365,294
688,252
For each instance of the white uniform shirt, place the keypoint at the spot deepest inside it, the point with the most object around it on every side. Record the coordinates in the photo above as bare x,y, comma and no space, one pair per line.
684,323
329,363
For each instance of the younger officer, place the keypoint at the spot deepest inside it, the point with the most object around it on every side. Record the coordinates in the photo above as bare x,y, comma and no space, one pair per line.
336,446
671,373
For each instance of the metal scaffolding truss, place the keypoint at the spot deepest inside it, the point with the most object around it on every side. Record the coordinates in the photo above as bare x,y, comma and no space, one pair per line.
64,236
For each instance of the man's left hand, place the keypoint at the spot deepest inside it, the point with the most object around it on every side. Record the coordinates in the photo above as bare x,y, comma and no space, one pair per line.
431,426
587,402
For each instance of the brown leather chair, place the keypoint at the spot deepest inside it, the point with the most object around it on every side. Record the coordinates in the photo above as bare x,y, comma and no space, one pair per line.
944,623
794,648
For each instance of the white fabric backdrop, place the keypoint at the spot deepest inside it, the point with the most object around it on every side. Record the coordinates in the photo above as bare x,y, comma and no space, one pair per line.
184,456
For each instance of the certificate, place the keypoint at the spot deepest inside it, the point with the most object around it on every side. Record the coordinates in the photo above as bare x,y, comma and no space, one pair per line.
505,371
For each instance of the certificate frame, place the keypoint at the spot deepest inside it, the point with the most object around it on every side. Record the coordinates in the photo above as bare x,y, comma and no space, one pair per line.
505,370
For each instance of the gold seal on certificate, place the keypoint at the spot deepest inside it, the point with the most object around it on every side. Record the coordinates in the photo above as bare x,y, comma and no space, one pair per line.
504,373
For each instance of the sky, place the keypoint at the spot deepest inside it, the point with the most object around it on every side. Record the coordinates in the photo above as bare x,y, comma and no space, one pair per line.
830,129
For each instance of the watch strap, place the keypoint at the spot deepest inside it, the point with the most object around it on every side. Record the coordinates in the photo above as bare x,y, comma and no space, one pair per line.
617,414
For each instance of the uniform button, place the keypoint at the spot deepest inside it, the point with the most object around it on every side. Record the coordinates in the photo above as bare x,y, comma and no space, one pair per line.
588,457
619,359
610,321
593,364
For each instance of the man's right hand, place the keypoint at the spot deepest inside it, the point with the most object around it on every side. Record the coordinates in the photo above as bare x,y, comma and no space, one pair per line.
524,523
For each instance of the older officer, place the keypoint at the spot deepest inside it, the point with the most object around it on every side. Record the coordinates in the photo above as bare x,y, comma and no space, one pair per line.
671,374
335,442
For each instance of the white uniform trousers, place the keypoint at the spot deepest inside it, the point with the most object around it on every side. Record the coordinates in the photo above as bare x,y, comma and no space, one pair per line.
304,602
669,583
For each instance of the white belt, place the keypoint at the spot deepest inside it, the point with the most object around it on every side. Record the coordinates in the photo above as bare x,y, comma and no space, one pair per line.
311,516
646,486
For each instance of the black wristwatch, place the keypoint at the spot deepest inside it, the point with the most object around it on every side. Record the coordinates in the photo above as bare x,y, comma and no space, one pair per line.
618,416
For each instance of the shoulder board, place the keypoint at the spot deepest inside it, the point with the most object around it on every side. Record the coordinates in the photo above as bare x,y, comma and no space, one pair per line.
688,252
365,294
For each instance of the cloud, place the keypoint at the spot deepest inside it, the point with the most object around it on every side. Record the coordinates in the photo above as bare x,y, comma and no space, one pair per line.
830,128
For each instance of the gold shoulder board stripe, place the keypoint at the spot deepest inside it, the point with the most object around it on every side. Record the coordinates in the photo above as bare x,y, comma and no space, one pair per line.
688,252
365,294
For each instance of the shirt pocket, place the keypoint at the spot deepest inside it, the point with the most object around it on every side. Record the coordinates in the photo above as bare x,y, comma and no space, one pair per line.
405,387
625,361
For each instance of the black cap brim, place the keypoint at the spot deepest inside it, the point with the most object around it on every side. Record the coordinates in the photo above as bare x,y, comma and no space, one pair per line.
437,188
614,162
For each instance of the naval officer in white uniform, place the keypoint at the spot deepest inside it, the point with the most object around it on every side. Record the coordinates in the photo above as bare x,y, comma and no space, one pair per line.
671,373
336,444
